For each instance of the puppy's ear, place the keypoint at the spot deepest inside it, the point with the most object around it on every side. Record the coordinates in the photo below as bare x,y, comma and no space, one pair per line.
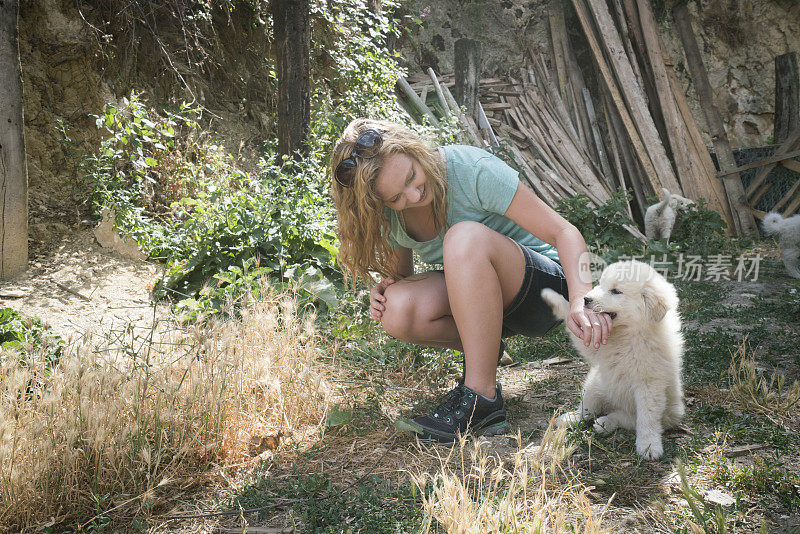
654,303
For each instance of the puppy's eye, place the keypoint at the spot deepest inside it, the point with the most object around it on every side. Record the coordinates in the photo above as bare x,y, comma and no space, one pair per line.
616,292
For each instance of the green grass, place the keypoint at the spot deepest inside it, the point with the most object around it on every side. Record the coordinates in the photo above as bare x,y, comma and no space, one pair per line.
708,356
373,505
744,427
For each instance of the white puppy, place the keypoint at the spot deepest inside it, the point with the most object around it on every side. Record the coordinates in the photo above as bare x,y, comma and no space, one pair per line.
788,231
634,381
660,218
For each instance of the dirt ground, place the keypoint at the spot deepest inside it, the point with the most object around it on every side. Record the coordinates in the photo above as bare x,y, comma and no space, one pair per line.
75,285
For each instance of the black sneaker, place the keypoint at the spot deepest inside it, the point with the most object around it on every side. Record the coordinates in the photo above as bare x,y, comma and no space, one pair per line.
463,411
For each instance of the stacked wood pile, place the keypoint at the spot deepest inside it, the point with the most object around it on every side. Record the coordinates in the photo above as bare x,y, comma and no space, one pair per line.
632,129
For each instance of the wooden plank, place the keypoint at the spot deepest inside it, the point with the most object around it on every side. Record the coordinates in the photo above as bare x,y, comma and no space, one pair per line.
792,207
672,121
494,106
626,39
791,164
629,159
745,225
626,123
439,92
787,96
485,125
416,101
785,199
711,188
575,88
472,135
555,15
790,143
598,140
775,158
634,97
532,178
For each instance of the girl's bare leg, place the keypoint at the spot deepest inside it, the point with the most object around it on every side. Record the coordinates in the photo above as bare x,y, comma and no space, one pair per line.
463,309
484,272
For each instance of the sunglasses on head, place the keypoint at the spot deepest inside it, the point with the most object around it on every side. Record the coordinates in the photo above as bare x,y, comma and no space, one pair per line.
367,146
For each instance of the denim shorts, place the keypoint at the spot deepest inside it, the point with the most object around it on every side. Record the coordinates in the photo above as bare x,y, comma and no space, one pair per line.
528,314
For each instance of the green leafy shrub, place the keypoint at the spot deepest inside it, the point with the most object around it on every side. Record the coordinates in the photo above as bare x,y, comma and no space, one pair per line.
603,228
29,337
219,230
701,230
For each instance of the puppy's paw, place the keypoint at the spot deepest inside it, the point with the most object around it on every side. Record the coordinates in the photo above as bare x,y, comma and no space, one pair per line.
649,448
569,419
605,425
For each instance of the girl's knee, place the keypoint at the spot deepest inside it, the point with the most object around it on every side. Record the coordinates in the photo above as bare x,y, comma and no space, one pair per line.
464,239
397,317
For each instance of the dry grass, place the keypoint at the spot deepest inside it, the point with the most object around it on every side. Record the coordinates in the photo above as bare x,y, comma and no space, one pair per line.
112,430
758,394
476,492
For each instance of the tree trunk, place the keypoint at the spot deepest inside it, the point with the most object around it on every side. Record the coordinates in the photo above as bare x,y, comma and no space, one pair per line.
787,96
467,63
13,169
292,43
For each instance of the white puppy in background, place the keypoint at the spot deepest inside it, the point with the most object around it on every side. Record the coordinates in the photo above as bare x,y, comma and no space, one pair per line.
634,381
660,218
788,230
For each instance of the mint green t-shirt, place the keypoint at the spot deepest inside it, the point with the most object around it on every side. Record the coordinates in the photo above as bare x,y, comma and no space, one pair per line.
480,187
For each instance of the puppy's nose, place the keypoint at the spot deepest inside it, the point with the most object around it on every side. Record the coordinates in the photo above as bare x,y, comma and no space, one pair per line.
587,301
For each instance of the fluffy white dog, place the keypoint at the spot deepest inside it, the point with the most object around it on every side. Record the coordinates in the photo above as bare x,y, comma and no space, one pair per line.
788,230
660,218
634,381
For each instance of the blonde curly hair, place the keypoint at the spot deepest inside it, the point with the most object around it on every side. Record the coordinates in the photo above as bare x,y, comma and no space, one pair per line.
362,226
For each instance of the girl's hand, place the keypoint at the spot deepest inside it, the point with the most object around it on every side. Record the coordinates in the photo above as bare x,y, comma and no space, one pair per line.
592,327
376,299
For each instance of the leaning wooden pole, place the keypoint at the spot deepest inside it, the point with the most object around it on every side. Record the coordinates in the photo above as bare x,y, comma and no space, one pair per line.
13,168
745,224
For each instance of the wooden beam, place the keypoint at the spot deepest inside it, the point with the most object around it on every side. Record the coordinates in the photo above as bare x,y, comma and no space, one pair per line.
626,123
791,164
669,111
467,62
787,96
416,101
776,158
787,197
634,97
790,143
711,188
13,165
598,140
745,225
439,92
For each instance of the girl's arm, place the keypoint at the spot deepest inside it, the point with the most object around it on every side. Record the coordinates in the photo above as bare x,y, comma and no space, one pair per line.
532,214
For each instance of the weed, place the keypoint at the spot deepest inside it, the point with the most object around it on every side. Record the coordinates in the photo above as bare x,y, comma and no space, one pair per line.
115,425
757,394
535,494
711,519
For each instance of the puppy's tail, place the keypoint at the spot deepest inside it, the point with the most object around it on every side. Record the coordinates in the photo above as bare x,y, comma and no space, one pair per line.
659,207
557,302
773,223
